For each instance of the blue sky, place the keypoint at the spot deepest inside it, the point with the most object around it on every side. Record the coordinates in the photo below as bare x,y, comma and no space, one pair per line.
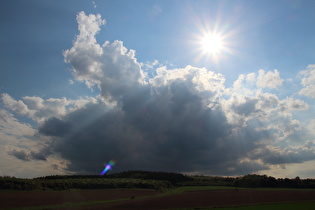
66,95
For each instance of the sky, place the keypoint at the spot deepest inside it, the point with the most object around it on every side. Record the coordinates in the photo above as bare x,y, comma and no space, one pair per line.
199,87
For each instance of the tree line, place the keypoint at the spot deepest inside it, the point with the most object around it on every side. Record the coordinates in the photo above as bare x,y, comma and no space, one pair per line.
148,180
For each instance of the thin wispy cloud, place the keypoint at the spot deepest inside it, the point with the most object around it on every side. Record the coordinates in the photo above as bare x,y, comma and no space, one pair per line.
94,4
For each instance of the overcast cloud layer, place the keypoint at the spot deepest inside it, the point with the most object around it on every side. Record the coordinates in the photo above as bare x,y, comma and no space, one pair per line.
183,120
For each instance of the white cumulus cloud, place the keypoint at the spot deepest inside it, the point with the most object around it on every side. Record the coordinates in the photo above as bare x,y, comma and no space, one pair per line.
308,82
269,79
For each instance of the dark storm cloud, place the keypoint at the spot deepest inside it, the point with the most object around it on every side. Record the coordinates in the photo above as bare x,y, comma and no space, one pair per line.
38,155
171,131
26,156
20,154
54,127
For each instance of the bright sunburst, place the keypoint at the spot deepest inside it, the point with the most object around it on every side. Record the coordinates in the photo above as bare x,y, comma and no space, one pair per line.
212,43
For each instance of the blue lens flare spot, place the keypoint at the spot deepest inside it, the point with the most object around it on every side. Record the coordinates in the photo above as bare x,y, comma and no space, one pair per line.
108,167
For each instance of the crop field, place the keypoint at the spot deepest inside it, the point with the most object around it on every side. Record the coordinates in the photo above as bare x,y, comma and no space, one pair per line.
178,198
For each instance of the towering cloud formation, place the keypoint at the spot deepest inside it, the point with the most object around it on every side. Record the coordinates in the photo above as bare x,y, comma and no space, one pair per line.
179,120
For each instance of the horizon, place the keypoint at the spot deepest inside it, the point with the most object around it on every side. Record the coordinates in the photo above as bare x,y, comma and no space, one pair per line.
214,88
166,172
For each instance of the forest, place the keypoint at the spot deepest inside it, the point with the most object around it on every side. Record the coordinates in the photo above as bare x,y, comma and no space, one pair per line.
161,181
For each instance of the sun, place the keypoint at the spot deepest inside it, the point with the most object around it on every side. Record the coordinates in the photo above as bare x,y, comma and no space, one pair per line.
212,43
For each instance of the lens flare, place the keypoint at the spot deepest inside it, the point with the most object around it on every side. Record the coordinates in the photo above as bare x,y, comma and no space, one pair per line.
108,167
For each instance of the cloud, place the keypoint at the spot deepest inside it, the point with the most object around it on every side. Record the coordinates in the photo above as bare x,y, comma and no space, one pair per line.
276,155
22,155
40,109
17,106
11,126
182,119
269,79
111,67
174,133
265,111
20,149
26,156
308,82
54,127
